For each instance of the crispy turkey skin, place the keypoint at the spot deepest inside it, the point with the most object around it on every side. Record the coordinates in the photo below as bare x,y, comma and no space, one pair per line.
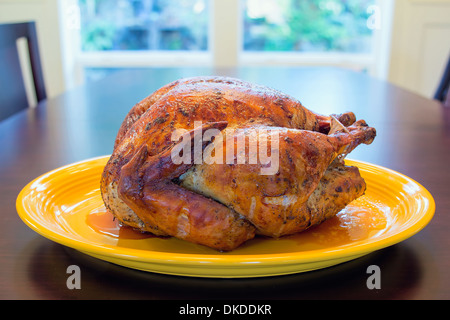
282,203
222,205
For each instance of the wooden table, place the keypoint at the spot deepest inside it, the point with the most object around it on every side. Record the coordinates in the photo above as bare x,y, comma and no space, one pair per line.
413,138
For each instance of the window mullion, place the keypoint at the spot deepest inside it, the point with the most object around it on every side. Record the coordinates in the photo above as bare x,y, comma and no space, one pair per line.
225,32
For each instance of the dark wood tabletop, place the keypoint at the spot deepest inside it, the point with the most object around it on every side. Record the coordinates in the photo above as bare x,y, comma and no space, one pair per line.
413,137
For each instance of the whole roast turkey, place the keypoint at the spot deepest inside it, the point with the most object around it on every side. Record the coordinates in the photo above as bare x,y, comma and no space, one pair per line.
222,204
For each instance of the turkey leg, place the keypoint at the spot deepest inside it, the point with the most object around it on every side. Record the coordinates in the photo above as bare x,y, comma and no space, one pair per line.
146,186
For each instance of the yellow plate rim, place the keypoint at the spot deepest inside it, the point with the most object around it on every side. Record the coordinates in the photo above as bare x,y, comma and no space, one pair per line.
354,249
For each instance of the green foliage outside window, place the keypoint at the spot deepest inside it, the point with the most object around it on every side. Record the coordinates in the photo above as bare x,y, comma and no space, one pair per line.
143,24
307,25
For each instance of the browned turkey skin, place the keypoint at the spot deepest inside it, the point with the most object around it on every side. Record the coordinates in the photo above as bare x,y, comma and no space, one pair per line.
223,205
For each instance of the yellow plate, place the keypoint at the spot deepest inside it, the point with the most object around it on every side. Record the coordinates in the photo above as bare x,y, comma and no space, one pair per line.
65,206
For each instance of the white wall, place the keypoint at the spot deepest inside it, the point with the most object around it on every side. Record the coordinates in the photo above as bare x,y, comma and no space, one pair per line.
420,44
45,14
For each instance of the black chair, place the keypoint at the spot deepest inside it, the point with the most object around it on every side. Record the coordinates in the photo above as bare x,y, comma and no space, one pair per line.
13,97
442,93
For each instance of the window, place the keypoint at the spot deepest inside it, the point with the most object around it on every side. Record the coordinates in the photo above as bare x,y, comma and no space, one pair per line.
307,26
143,25
111,34
312,32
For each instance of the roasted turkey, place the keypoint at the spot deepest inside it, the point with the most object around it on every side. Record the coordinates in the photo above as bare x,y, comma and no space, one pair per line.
231,193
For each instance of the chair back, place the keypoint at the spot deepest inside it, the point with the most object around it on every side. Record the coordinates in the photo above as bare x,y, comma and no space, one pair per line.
443,93
13,92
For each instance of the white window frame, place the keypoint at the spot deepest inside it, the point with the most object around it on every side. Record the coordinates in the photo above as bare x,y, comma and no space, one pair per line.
224,47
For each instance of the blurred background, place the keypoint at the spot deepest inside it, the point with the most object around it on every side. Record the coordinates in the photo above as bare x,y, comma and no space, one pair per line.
406,42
